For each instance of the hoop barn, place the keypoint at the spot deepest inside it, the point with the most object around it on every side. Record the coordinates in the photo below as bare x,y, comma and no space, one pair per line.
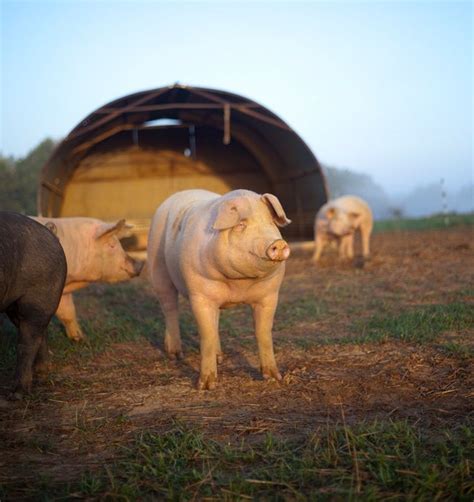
126,157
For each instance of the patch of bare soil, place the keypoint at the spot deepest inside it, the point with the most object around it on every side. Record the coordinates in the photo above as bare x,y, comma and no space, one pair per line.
83,412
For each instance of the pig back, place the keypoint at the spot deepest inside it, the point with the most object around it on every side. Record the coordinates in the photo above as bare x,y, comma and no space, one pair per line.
32,262
353,204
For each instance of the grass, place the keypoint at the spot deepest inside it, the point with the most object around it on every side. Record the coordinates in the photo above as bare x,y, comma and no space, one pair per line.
457,349
120,322
306,309
390,460
438,221
420,325
121,319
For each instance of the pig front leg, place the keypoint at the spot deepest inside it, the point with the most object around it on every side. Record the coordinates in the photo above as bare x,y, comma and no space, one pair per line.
66,313
346,247
207,318
318,247
263,314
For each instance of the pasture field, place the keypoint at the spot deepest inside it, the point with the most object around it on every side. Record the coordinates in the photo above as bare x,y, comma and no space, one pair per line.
376,401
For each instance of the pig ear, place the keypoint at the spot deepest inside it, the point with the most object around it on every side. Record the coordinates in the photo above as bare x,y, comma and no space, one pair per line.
108,229
231,212
276,209
354,217
125,231
330,213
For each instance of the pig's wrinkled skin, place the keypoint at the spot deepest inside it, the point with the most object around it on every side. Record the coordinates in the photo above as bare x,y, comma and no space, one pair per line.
218,251
338,221
94,254
32,275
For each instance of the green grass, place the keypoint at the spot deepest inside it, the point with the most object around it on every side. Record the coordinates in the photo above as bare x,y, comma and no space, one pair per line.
307,308
390,460
438,221
457,349
120,313
420,325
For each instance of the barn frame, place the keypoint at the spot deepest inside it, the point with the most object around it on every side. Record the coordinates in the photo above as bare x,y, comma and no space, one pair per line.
126,157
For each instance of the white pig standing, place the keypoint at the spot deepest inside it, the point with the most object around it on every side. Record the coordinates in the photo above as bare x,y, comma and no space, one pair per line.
218,251
338,220
93,254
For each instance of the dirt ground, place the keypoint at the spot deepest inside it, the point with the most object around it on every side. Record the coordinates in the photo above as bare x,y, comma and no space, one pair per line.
77,418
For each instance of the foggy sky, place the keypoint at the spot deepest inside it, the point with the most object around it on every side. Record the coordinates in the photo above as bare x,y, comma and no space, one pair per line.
380,88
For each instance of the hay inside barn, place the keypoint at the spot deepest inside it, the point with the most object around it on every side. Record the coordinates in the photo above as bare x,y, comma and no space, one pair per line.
126,157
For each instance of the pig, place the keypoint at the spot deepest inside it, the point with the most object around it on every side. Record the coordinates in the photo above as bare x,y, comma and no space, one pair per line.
94,254
338,220
32,276
218,251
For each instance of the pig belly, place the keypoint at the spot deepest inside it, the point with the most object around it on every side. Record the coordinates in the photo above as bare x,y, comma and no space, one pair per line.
230,305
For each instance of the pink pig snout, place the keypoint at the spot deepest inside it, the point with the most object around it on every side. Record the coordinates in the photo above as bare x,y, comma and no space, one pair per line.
134,267
278,250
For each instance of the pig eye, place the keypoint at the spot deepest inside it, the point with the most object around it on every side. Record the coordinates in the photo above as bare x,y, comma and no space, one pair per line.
112,244
241,226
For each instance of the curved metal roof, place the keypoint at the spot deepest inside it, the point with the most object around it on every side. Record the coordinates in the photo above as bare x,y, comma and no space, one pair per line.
290,166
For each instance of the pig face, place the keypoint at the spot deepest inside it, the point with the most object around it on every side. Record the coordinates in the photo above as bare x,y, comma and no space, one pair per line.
109,256
250,242
341,222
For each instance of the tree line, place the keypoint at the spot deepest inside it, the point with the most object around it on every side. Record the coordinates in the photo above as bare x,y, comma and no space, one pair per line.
19,184
19,178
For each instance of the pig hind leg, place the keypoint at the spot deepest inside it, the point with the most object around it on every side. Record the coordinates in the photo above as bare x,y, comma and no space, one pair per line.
168,297
32,324
41,364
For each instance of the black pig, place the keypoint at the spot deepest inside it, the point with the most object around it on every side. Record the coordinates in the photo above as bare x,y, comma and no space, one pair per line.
32,274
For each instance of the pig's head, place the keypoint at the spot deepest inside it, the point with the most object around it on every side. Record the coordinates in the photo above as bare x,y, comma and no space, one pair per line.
341,222
249,241
110,261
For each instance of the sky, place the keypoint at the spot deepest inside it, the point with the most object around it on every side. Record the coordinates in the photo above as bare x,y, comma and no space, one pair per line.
384,88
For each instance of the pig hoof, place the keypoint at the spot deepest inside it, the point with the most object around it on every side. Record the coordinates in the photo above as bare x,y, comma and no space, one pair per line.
15,396
76,337
4,404
207,382
43,368
268,373
175,356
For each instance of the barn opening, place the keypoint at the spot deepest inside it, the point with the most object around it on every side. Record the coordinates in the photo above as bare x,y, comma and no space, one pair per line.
126,157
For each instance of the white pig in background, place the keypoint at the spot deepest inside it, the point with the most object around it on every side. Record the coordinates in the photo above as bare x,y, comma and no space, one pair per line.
338,220
218,251
93,254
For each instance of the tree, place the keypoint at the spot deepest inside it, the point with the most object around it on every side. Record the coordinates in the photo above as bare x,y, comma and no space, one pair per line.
19,178
346,182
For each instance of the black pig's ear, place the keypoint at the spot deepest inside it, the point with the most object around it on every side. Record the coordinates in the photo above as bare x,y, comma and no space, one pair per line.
231,212
51,227
108,229
276,209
